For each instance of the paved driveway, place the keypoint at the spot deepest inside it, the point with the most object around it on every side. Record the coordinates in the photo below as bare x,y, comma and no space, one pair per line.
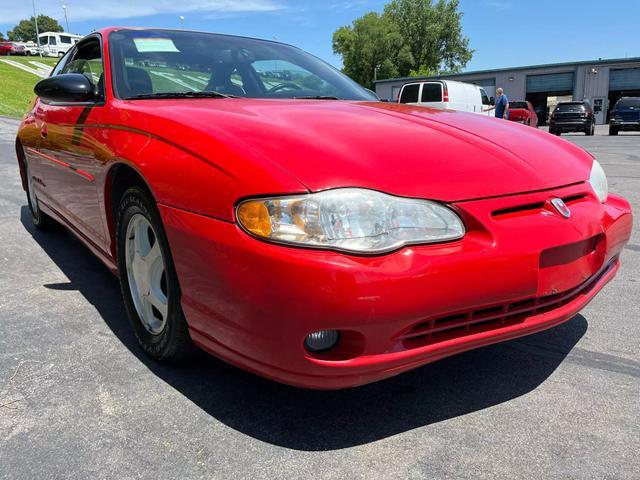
79,400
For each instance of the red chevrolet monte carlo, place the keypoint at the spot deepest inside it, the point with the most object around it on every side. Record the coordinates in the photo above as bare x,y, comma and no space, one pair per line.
257,203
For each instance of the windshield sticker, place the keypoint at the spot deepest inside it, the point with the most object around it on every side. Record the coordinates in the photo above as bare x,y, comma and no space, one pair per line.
154,45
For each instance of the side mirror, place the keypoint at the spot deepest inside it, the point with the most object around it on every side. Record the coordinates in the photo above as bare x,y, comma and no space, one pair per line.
67,87
492,101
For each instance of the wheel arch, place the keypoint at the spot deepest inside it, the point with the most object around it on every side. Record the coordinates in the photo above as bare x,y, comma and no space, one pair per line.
21,163
120,177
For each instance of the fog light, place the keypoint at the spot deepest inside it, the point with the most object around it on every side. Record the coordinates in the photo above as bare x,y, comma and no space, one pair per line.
321,340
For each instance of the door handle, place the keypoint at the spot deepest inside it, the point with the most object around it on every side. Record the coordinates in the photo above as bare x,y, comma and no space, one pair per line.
44,132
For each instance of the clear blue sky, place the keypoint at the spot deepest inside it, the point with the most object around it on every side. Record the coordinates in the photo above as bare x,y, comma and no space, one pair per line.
504,33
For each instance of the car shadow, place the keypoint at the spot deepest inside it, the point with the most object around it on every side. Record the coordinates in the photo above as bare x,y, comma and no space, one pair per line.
324,420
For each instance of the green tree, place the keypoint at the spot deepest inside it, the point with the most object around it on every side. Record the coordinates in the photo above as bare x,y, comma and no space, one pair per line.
370,47
1,37
26,30
433,33
411,38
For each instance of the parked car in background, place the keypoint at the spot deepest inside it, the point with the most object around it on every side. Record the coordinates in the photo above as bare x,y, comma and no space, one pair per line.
625,115
446,94
11,48
31,49
56,44
572,117
523,112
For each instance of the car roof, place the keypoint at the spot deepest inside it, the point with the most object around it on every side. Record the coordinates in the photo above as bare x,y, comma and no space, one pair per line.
107,30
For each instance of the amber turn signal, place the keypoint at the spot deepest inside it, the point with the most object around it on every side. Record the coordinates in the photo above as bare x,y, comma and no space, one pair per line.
254,217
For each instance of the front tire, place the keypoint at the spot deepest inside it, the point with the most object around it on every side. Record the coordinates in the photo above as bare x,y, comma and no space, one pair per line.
148,279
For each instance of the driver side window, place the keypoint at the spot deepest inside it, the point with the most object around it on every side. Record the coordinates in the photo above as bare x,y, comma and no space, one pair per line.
87,60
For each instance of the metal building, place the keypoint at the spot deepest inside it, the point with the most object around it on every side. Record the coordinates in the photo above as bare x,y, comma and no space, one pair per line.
602,82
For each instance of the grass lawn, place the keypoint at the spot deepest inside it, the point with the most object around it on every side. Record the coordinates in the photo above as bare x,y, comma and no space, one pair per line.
16,86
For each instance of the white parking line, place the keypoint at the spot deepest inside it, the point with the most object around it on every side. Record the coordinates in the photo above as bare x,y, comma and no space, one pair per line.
195,79
26,68
41,66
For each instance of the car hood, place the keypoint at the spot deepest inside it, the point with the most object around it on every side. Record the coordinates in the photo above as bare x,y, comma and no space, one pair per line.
403,150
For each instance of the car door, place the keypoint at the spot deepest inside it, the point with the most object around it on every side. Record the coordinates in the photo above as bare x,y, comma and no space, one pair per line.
486,102
70,151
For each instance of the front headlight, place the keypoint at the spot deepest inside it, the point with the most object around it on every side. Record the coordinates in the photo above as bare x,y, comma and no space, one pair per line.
598,181
349,219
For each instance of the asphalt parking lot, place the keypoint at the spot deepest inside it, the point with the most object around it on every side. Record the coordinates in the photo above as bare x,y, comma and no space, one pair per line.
79,400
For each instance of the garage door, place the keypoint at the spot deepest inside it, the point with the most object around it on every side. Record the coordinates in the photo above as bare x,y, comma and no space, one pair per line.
553,82
624,79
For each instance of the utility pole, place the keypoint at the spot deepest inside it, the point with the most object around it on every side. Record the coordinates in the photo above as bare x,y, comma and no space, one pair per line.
66,20
35,19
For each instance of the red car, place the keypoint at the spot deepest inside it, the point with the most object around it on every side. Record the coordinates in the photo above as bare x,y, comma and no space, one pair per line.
257,203
10,48
523,112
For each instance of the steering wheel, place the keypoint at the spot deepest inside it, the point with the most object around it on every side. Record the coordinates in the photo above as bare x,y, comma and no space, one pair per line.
281,86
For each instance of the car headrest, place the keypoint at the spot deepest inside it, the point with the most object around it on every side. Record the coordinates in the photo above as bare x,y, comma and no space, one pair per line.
139,81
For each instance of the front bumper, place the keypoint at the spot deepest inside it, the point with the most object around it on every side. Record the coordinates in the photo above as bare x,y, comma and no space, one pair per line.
625,125
252,303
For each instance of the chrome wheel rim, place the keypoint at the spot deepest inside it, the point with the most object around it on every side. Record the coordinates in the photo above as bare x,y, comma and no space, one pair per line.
146,274
33,199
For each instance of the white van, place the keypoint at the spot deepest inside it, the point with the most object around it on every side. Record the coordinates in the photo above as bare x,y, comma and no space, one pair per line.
56,44
446,94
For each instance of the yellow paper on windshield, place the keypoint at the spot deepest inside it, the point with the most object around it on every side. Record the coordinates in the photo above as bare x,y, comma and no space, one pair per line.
154,45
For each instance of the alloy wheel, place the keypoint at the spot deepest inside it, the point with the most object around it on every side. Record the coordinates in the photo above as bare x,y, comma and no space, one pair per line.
146,274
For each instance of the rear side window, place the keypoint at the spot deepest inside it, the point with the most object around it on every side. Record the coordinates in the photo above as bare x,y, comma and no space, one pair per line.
52,40
432,92
410,93
65,39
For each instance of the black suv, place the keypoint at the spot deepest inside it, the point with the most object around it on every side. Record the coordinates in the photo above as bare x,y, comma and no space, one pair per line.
625,115
572,117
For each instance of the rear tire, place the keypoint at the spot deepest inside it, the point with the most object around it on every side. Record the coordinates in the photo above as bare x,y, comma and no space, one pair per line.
148,279
40,220
613,131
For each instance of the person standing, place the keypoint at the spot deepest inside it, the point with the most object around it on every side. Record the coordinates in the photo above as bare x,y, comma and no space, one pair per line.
502,105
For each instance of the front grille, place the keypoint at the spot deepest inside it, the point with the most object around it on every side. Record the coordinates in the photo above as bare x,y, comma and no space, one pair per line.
534,208
476,321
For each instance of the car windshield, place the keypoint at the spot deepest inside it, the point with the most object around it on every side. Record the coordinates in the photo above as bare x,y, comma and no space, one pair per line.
159,63
517,105
628,103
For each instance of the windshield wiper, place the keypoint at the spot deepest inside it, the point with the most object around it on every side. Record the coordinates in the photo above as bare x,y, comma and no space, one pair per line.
204,94
317,97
